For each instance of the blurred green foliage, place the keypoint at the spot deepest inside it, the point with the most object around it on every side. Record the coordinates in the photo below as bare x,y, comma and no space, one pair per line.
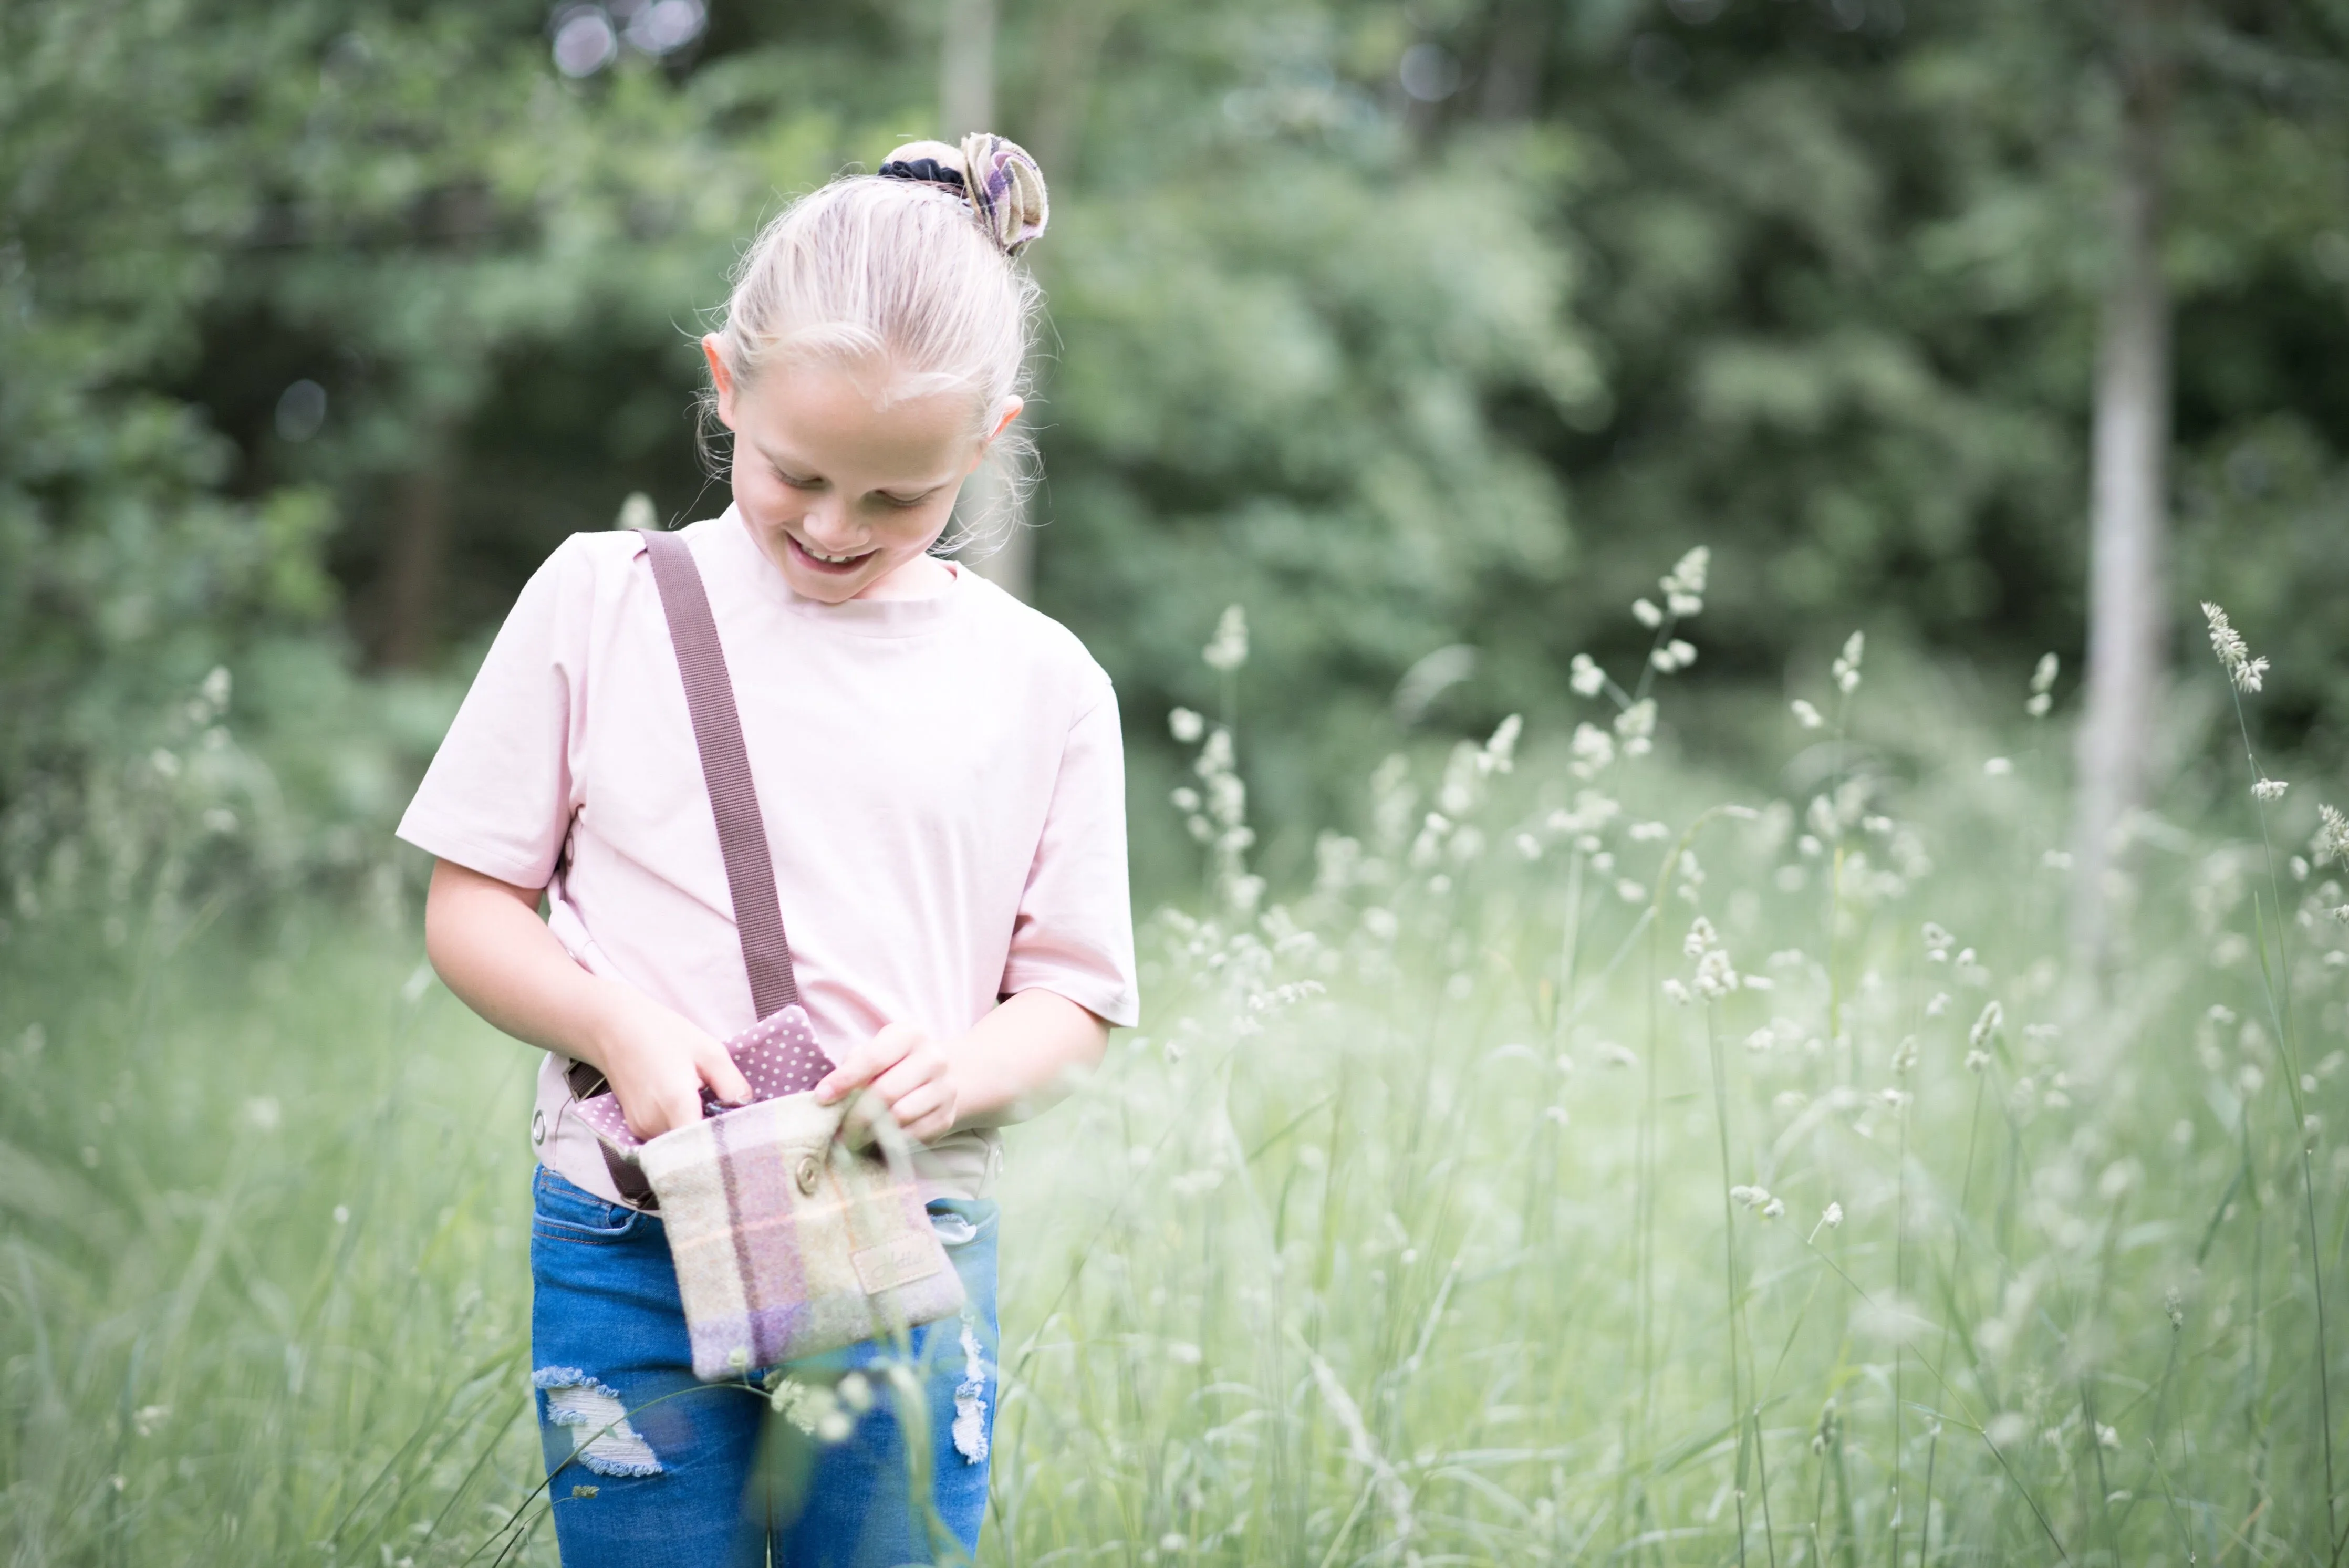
1408,327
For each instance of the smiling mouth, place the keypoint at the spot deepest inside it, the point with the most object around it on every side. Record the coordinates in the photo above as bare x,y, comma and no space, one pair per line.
837,565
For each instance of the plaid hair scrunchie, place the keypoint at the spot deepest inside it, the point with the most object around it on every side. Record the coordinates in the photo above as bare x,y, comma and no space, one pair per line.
1006,190
1002,183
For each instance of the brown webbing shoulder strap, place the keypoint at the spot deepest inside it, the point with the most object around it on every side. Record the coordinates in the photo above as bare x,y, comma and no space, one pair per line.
726,769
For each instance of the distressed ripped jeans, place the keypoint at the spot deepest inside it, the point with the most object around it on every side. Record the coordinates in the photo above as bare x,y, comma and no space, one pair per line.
649,1467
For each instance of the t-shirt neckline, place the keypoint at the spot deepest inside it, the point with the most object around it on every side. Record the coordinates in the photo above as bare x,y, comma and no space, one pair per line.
865,617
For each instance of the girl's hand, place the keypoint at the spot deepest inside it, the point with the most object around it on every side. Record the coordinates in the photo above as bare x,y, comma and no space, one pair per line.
658,1063
911,1074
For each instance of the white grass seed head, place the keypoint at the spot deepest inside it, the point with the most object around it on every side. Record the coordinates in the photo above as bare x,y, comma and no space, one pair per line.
1846,665
1701,939
2331,836
1636,726
2043,683
2234,656
1714,977
1500,752
1229,648
1688,573
1590,751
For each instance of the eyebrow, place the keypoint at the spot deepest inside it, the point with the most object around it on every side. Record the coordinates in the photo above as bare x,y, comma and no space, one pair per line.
914,492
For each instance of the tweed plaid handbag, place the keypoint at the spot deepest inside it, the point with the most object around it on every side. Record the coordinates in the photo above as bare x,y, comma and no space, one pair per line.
797,1228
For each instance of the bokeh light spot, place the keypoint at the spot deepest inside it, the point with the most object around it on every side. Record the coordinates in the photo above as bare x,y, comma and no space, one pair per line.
585,41
301,410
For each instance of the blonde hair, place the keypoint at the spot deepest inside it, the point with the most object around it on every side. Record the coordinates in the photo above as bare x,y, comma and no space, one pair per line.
920,274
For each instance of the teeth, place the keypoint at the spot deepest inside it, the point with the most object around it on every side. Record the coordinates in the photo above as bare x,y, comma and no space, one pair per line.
828,560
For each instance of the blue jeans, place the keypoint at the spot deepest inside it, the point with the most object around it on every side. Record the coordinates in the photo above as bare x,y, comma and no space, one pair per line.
648,1468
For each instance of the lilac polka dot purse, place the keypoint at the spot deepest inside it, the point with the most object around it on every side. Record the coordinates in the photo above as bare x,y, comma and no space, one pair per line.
797,1228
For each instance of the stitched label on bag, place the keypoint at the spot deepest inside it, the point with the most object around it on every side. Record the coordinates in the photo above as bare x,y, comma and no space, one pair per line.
894,1264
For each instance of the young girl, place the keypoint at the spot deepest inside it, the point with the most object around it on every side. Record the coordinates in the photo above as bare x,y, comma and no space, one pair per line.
939,774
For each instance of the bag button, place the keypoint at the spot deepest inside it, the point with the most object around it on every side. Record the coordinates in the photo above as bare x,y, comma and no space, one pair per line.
807,1174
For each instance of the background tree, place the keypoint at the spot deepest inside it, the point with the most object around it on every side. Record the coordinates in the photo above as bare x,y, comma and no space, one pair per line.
1408,327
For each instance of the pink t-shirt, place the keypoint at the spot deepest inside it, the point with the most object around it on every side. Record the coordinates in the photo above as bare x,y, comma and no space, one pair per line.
941,780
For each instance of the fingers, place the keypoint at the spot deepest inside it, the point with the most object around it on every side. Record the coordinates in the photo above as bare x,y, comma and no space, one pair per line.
657,1062
909,1073
662,1109
926,1111
869,1061
916,1069
725,1079
920,1092
660,1086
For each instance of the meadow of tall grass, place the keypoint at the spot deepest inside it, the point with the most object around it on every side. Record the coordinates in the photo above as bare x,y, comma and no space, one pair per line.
1599,1161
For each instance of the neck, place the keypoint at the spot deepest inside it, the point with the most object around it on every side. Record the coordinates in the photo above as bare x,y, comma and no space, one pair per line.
923,576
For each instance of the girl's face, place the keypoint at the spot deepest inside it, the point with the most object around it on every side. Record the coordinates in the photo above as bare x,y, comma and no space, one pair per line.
845,488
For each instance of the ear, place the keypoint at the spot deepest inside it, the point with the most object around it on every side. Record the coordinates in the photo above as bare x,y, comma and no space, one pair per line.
721,378
1003,416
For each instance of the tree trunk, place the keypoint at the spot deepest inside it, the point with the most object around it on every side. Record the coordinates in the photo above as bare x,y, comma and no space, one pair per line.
1513,65
418,558
1073,37
966,103
966,69
2129,488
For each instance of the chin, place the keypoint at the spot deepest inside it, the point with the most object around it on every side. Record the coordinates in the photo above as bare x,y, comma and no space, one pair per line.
830,591
811,581
810,578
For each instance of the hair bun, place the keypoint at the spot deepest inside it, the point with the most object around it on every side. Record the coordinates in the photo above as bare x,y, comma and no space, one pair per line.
924,163
995,174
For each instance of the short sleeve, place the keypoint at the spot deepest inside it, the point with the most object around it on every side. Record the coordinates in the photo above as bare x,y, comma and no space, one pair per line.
498,796
1074,933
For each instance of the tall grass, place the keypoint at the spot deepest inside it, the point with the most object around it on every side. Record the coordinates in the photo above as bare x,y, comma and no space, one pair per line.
263,1291
1591,1167
1598,1163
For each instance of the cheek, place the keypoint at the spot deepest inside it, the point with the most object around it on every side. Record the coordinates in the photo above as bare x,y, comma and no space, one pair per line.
765,499
914,530
757,490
